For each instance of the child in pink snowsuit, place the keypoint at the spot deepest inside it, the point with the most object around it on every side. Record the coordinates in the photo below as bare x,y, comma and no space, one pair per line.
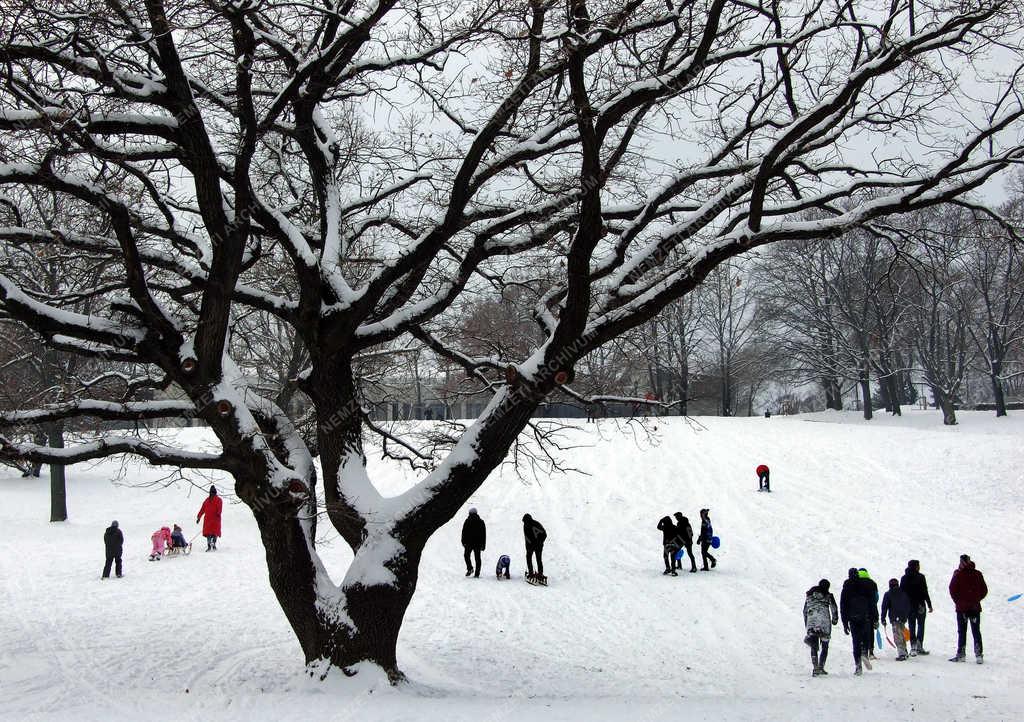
161,538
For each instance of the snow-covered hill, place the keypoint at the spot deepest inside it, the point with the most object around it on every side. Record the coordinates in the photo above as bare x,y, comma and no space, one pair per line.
202,638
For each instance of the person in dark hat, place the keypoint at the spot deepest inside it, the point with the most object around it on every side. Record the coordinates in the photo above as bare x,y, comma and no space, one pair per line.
113,544
474,540
535,535
210,512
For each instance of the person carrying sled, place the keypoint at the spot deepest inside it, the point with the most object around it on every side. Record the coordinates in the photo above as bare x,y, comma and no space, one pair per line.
113,545
669,545
161,539
820,615
896,609
967,588
210,512
706,533
859,614
762,472
535,536
863,574
474,540
914,584
684,537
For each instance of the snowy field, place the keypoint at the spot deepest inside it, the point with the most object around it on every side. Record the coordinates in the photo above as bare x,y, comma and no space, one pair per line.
201,638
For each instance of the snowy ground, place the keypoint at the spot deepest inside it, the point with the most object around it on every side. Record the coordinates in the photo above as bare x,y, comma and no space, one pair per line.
202,638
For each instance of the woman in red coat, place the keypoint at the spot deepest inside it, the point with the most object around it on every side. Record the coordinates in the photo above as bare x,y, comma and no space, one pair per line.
762,478
209,512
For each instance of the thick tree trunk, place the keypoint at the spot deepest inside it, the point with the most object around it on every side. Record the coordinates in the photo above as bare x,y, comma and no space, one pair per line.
864,380
358,622
948,410
833,396
892,386
58,488
997,388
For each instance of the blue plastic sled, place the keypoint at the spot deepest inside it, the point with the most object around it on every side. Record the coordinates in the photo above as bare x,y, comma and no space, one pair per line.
680,554
715,542
1014,598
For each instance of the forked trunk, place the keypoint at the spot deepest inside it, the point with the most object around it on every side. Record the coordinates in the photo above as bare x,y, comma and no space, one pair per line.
358,622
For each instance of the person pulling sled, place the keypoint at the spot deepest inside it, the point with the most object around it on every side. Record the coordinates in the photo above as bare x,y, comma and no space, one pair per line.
535,536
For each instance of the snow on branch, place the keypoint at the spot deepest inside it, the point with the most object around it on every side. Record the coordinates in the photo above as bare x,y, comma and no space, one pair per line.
155,453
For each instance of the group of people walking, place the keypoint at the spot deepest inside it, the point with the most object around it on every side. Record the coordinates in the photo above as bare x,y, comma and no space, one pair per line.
165,537
474,541
677,537
905,607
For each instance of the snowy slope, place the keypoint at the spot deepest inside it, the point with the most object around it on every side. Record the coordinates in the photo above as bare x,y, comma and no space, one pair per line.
202,637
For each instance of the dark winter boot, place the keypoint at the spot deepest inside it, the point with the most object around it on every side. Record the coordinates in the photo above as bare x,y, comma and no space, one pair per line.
959,656
857,670
469,572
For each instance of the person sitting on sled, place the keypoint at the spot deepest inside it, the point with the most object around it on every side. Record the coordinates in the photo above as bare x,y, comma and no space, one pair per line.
178,538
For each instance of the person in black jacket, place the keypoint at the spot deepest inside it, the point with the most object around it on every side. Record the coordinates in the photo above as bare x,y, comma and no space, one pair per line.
684,537
113,543
870,583
896,609
669,545
915,586
535,536
474,539
706,534
859,613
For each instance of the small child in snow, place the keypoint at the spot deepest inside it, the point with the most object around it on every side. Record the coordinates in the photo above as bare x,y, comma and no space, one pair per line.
502,568
161,539
178,538
896,609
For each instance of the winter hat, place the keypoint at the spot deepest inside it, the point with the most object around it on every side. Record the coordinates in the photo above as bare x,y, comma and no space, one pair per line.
527,517
863,573
114,523
964,558
472,510
823,585
213,491
914,565
853,572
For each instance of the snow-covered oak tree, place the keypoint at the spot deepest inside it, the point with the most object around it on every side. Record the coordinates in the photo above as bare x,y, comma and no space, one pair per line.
355,168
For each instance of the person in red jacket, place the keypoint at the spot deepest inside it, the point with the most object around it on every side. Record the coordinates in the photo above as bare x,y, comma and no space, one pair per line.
762,478
209,512
967,588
